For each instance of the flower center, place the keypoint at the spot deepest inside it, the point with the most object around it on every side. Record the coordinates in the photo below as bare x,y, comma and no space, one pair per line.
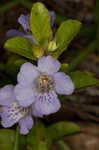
44,83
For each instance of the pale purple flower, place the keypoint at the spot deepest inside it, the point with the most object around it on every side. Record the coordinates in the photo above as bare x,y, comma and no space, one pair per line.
11,112
39,85
24,21
52,17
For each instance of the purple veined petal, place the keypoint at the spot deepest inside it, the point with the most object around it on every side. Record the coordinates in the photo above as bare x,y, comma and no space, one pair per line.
14,33
47,103
25,95
29,121
12,114
6,121
26,124
23,128
35,112
7,95
24,20
52,17
63,83
28,73
48,65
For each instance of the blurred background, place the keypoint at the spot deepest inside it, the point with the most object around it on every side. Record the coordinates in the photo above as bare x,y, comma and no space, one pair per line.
82,107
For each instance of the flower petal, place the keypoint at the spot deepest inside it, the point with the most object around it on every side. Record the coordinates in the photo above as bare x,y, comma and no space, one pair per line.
24,95
27,74
48,65
7,95
47,103
24,20
35,112
12,114
52,17
26,124
23,128
63,83
14,33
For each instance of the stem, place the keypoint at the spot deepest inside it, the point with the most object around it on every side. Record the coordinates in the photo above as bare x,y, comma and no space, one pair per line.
81,56
16,146
63,146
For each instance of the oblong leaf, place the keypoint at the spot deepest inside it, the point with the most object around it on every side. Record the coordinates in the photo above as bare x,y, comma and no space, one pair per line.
60,129
40,22
21,46
63,145
83,80
65,34
7,139
38,138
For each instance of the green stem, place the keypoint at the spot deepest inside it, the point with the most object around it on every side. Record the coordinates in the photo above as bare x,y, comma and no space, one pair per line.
16,146
81,56
62,145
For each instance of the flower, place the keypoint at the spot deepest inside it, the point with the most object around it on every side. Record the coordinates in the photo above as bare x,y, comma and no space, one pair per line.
39,85
52,17
11,112
24,21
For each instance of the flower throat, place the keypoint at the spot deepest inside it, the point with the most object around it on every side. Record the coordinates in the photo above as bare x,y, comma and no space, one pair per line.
44,83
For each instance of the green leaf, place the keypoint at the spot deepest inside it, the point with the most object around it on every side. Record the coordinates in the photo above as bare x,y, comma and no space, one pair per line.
83,80
21,46
65,34
13,65
63,145
64,67
7,138
58,130
37,50
40,23
38,138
